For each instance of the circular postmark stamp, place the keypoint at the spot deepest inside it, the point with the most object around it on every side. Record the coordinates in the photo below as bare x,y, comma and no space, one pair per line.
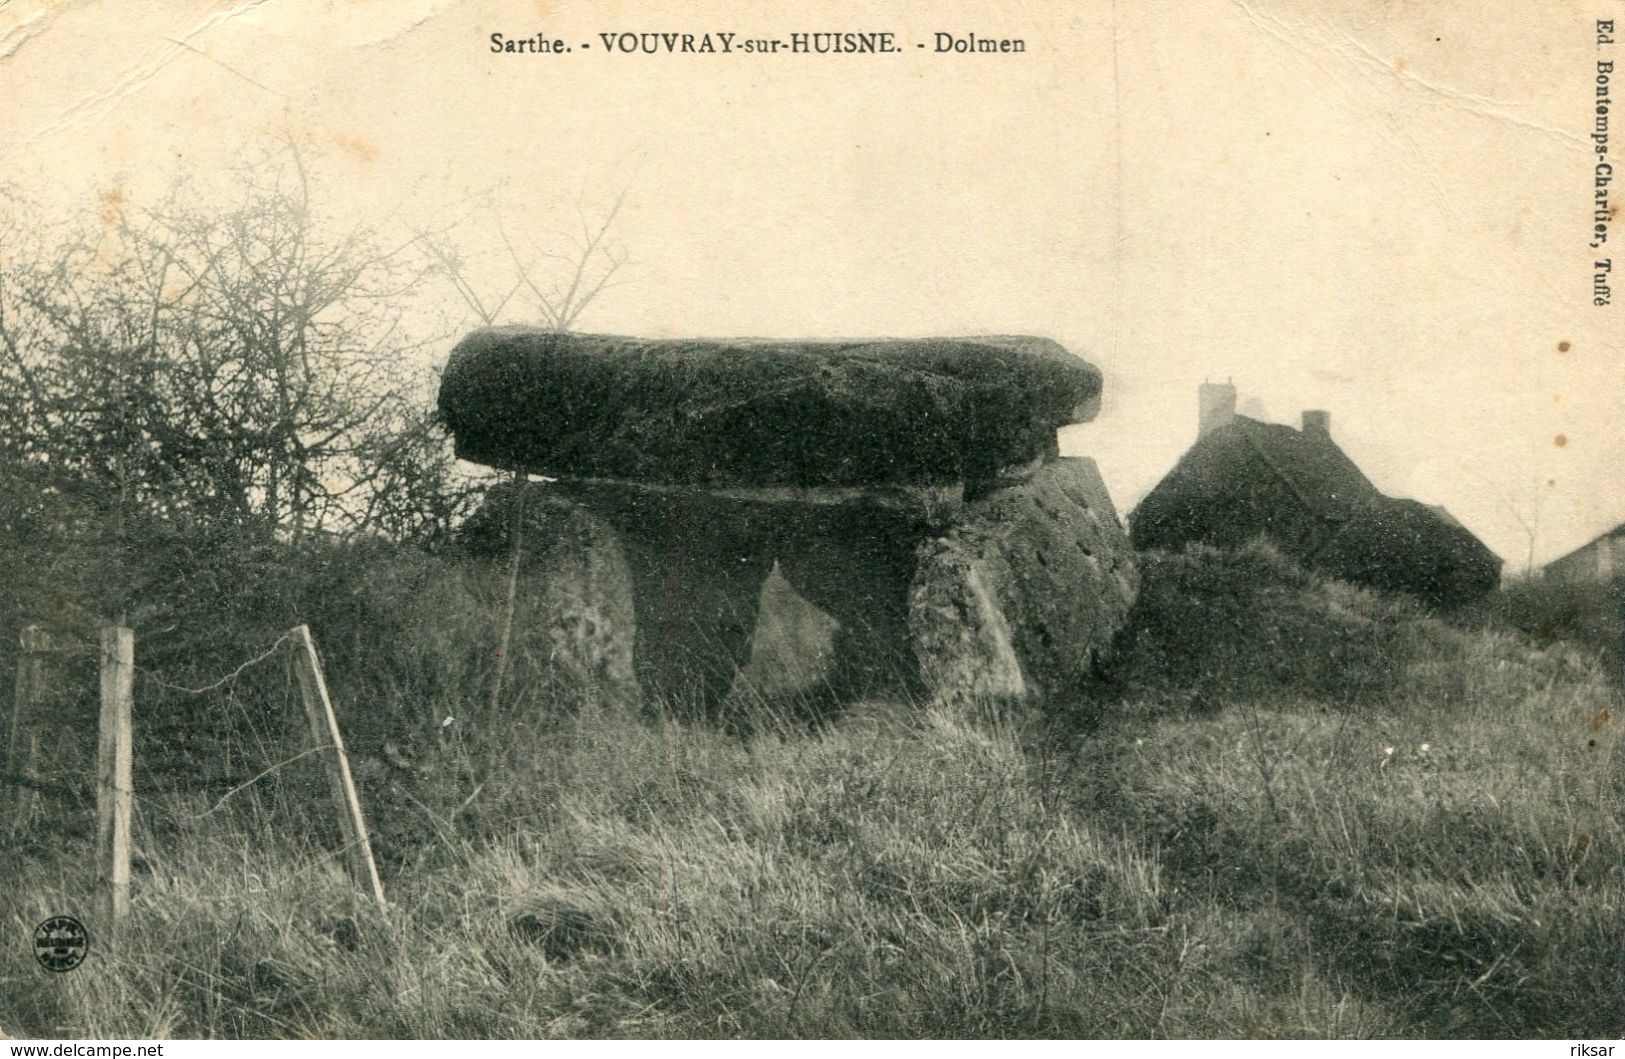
60,943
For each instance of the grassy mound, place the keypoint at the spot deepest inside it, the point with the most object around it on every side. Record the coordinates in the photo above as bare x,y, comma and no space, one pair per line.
1436,811
1590,615
1217,627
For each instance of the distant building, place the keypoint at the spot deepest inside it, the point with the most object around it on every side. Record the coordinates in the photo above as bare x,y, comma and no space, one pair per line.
1244,479
1600,560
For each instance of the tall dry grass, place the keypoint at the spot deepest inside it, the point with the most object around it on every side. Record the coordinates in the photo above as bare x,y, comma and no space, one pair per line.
1320,813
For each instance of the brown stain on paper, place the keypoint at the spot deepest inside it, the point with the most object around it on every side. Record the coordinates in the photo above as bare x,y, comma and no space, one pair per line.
357,147
113,202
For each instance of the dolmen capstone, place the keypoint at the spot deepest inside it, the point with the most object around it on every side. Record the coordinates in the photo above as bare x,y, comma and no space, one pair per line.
911,490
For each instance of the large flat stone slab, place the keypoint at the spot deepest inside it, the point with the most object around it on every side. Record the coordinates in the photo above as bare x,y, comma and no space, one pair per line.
762,413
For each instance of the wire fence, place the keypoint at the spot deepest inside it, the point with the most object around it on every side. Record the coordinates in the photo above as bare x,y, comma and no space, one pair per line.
43,739
51,722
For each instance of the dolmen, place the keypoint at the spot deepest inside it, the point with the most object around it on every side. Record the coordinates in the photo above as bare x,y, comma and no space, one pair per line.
912,490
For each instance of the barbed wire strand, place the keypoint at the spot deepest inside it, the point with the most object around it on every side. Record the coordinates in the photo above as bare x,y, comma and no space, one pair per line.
223,681
219,804
64,790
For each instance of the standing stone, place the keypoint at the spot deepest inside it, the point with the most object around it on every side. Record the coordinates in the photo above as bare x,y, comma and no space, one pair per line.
697,566
584,610
964,646
1021,599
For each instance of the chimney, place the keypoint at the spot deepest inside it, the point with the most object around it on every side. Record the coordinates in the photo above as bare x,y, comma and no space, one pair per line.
1317,424
1217,407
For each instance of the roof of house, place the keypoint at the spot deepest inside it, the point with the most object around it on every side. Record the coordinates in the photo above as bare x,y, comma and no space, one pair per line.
1317,470
1313,470
1617,531
1301,489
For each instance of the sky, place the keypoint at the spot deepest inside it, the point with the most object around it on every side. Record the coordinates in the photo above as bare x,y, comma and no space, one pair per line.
1375,207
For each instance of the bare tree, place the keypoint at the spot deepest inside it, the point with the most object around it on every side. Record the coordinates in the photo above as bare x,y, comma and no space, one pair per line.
588,264
248,365
560,274
562,280
1524,505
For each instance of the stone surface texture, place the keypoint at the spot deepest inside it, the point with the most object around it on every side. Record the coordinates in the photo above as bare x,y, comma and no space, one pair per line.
1022,598
746,412
898,507
585,605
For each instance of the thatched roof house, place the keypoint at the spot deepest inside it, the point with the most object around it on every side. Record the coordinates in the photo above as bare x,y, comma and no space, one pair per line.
1245,479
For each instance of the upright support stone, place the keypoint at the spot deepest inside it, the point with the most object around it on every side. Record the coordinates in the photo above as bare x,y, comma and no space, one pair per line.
576,563
586,609
1039,573
965,648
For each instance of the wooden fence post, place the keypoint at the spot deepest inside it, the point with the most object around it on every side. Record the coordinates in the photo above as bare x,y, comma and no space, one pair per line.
20,738
113,793
324,725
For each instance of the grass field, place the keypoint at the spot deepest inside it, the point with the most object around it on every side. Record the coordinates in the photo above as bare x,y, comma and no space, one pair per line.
1303,811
